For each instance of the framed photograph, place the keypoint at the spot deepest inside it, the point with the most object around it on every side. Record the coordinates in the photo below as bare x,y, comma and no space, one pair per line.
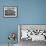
10,11
33,32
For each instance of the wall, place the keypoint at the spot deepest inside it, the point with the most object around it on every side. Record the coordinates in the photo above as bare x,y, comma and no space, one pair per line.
29,12
7,25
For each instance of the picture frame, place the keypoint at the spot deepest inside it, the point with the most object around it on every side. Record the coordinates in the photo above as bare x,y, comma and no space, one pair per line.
10,11
37,29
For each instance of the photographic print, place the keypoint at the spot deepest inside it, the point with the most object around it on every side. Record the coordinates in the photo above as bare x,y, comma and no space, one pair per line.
10,11
32,32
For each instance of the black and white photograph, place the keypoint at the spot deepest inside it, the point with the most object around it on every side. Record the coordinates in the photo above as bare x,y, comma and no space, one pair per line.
10,11
29,34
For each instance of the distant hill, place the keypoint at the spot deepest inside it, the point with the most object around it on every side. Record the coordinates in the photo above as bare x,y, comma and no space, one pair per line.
9,12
